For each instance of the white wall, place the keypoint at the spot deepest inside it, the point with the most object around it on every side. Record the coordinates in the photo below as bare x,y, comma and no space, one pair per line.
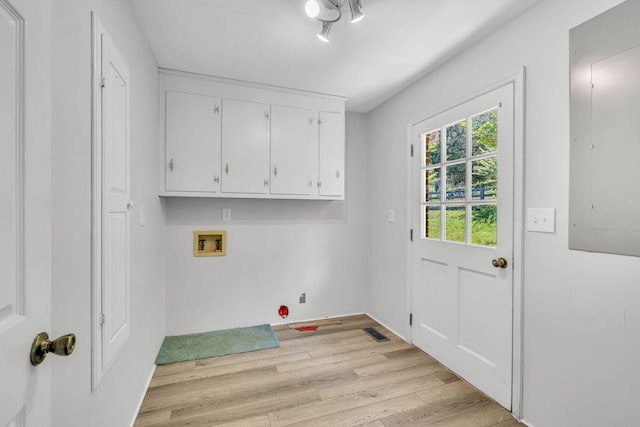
276,250
582,310
115,401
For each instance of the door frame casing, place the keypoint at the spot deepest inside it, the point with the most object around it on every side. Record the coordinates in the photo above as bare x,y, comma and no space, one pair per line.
518,81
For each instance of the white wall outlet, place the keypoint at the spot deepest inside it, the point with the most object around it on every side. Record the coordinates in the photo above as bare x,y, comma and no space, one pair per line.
542,220
226,214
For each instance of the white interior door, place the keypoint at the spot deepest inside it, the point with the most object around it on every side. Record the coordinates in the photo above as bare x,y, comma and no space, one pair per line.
25,208
111,194
463,207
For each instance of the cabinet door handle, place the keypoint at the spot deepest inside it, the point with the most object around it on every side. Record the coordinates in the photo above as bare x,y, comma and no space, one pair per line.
319,184
216,179
266,182
266,115
275,170
226,169
337,173
171,165
311,121
216,109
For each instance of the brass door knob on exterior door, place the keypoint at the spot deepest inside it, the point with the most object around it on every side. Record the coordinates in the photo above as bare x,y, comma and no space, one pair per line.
42,345
499,263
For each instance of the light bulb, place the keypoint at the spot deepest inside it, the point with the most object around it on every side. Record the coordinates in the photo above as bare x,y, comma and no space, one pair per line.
312,8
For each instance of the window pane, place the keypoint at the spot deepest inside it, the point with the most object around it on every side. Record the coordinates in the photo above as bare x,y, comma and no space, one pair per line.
432,182
484,225
432,217
456,181
432,148
484,182
457,140
484,138
456,223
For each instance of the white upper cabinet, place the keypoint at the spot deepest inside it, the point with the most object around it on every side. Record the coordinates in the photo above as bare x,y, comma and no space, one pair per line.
222,138
192,147
331,154
291,150
245,147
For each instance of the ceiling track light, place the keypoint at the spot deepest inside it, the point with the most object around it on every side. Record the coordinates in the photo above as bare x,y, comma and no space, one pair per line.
330,11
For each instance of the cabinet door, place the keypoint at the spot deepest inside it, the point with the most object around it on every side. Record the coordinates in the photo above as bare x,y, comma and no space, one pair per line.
291,151
331,154
245,147
192,136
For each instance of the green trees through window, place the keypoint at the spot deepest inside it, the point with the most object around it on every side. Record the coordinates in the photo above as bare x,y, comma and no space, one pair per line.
464,185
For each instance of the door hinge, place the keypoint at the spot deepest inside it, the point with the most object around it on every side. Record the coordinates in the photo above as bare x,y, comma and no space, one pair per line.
101,319
410,319
411,235
411,150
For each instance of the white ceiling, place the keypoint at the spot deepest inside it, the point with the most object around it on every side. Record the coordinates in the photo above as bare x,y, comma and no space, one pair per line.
273,42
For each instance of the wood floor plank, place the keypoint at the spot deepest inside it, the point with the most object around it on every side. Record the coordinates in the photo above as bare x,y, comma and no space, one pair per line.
489,415
387,367
438,413
362,385
335,376
153,418
258,421
365,414
349,401
221,412
210,371
181,394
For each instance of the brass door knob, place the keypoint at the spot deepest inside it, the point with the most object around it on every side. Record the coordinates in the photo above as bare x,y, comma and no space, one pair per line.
42,345
499,263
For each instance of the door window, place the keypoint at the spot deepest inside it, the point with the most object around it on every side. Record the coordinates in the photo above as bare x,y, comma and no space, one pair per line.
459,175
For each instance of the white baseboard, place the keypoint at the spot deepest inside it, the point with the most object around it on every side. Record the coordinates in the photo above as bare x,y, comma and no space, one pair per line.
144,393
318,319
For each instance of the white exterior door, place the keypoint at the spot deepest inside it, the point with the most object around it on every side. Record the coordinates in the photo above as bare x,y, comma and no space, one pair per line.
25,209
463,212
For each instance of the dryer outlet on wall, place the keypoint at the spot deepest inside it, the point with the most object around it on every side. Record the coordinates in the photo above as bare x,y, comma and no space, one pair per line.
303,298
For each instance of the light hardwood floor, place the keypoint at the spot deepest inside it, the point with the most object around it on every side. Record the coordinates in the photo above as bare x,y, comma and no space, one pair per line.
335,376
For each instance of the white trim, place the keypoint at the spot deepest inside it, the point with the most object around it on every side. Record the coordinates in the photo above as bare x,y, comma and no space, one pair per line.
144,394
518,241
19,157
518,81
243,83
317,319
96,205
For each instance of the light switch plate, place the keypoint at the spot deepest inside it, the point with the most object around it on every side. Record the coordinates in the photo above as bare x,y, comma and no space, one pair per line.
226,214
542,220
